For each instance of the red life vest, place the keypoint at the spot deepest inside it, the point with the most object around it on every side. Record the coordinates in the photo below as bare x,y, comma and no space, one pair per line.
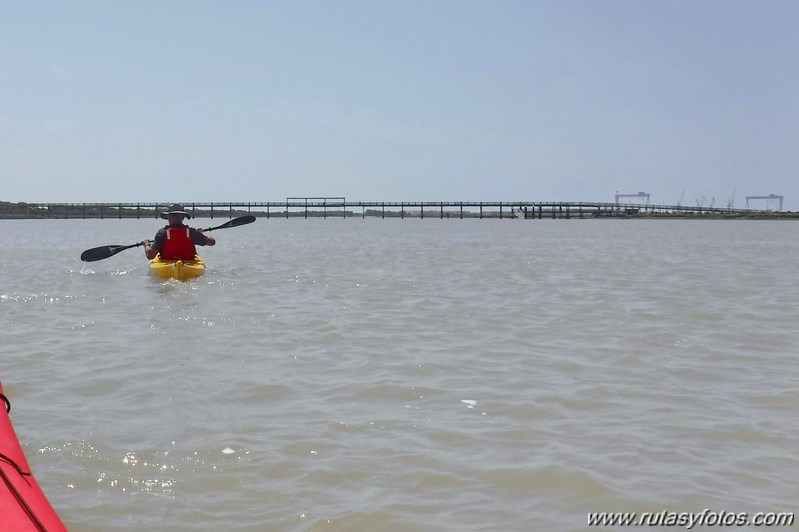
178,244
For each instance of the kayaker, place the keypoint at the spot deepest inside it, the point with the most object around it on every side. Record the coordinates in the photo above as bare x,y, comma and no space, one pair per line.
176,240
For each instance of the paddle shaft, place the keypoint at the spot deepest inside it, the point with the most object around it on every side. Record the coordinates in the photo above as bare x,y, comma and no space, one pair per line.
103,252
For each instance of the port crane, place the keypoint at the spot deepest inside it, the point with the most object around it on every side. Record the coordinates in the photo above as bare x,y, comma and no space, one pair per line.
731,201
638,195
767,198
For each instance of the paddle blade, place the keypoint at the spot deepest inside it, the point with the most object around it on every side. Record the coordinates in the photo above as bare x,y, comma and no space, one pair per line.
103,252
235,222
242,220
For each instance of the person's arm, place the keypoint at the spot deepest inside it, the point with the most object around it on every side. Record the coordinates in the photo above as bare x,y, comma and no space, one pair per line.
151,249
201,239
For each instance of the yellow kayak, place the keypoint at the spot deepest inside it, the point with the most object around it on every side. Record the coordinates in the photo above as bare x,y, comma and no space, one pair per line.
181,270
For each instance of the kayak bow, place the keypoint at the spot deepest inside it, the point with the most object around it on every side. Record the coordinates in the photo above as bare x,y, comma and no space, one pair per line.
181,270
23,505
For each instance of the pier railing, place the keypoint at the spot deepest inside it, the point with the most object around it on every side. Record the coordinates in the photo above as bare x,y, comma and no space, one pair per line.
342,208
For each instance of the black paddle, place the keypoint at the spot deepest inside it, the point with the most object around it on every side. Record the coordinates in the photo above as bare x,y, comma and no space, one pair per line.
235,222
103,252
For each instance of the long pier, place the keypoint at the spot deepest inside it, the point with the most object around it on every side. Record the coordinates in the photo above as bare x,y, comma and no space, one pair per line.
342,208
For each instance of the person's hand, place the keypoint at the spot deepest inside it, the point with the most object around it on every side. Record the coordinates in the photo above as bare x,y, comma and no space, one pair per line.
145,242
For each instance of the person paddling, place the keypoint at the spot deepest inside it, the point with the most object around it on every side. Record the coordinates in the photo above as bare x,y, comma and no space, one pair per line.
176,240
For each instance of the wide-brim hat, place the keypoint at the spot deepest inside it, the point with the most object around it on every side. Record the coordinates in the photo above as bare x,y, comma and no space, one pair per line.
175,208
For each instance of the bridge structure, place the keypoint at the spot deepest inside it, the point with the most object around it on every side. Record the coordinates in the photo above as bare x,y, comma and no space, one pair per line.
340,207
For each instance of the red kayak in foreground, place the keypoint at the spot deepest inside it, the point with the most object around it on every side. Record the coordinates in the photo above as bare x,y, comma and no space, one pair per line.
23,506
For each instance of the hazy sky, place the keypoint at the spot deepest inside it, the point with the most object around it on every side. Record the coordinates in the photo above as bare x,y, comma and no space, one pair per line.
399,100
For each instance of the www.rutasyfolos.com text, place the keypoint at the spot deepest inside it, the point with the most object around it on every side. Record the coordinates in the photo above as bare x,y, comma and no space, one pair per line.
689,520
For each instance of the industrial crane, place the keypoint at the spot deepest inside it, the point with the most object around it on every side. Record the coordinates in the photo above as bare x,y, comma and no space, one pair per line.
638,195
731,201
767,198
